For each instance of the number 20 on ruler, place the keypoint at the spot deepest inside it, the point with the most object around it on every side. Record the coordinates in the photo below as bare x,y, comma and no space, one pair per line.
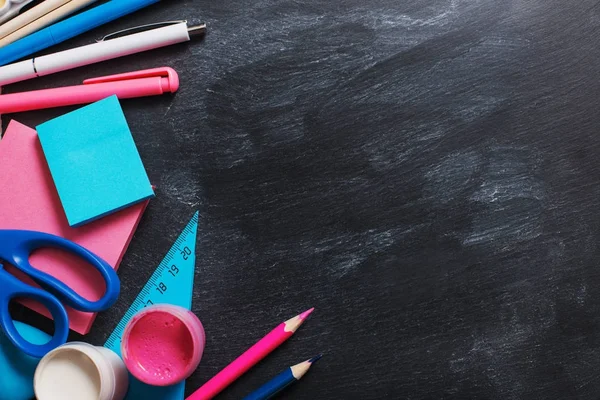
161,287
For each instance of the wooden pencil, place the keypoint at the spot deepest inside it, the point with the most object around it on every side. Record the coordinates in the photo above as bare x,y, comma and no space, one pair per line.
48,19
283,380
250,358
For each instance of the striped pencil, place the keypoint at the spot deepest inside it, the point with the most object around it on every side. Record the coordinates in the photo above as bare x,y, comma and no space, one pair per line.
250,358
282,381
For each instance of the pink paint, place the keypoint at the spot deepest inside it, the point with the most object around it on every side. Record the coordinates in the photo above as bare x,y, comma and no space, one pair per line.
163,344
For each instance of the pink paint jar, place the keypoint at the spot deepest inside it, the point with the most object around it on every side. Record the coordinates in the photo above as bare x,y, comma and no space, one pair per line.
163,344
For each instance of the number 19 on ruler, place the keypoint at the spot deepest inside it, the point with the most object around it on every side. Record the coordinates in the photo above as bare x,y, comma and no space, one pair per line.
169,271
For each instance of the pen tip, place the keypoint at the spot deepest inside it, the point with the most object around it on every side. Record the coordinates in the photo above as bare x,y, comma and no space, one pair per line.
306,313
315,359
197,30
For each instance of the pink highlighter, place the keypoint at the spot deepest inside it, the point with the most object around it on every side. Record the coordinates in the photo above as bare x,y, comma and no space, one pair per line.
149,82
163,344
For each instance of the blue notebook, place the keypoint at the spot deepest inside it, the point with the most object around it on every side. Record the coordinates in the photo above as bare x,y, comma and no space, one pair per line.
94,162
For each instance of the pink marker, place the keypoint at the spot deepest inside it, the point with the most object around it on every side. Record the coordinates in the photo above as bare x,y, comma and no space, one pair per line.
150,82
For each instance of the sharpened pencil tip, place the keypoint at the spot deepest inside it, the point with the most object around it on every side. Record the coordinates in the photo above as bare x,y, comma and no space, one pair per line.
292,324
315,359
306,313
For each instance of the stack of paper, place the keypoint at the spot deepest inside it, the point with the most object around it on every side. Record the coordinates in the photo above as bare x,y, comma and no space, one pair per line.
30,200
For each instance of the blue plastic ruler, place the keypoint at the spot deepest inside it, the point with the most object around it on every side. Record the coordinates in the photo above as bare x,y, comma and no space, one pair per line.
171,283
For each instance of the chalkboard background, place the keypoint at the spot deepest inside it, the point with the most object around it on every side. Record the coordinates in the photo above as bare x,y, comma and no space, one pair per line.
425,173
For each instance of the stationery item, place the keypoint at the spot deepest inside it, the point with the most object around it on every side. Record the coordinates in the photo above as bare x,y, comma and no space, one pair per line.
80,371
250,358
70,27
162,345
150,82
173,33
94,162
30,202
10,8
29,16
16,379
16,247
171,283
283,380
43,21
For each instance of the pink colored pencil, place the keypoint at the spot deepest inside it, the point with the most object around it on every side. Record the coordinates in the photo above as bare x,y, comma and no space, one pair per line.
250,358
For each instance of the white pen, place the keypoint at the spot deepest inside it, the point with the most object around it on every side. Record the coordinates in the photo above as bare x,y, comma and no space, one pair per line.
106,49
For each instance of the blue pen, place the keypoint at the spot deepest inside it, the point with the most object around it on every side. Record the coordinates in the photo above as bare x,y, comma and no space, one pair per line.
70,28
283,380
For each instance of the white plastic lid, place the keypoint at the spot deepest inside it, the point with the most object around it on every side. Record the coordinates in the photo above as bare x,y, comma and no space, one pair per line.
76,371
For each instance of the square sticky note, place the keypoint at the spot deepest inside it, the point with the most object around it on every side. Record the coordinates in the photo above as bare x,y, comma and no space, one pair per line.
29,201
94,162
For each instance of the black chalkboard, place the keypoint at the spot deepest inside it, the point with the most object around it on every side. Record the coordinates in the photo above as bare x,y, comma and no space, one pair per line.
424,173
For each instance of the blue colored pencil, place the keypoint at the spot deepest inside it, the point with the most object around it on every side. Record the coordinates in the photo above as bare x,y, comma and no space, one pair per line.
283,380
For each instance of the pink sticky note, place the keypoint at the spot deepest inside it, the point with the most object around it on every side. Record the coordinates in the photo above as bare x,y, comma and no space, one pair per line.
29,201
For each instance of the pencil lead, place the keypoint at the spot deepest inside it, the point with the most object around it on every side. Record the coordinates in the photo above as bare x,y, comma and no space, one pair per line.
315,358
292,324
306,313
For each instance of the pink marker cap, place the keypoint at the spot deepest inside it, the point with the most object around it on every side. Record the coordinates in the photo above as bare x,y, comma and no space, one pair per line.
170,81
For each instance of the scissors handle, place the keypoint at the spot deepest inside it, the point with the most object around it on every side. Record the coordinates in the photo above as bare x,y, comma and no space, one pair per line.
30,241
13,288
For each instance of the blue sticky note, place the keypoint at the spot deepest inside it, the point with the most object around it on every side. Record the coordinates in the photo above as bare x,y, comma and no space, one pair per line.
94,162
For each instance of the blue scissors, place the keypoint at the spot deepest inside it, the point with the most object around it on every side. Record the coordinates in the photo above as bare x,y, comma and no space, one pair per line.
15,248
